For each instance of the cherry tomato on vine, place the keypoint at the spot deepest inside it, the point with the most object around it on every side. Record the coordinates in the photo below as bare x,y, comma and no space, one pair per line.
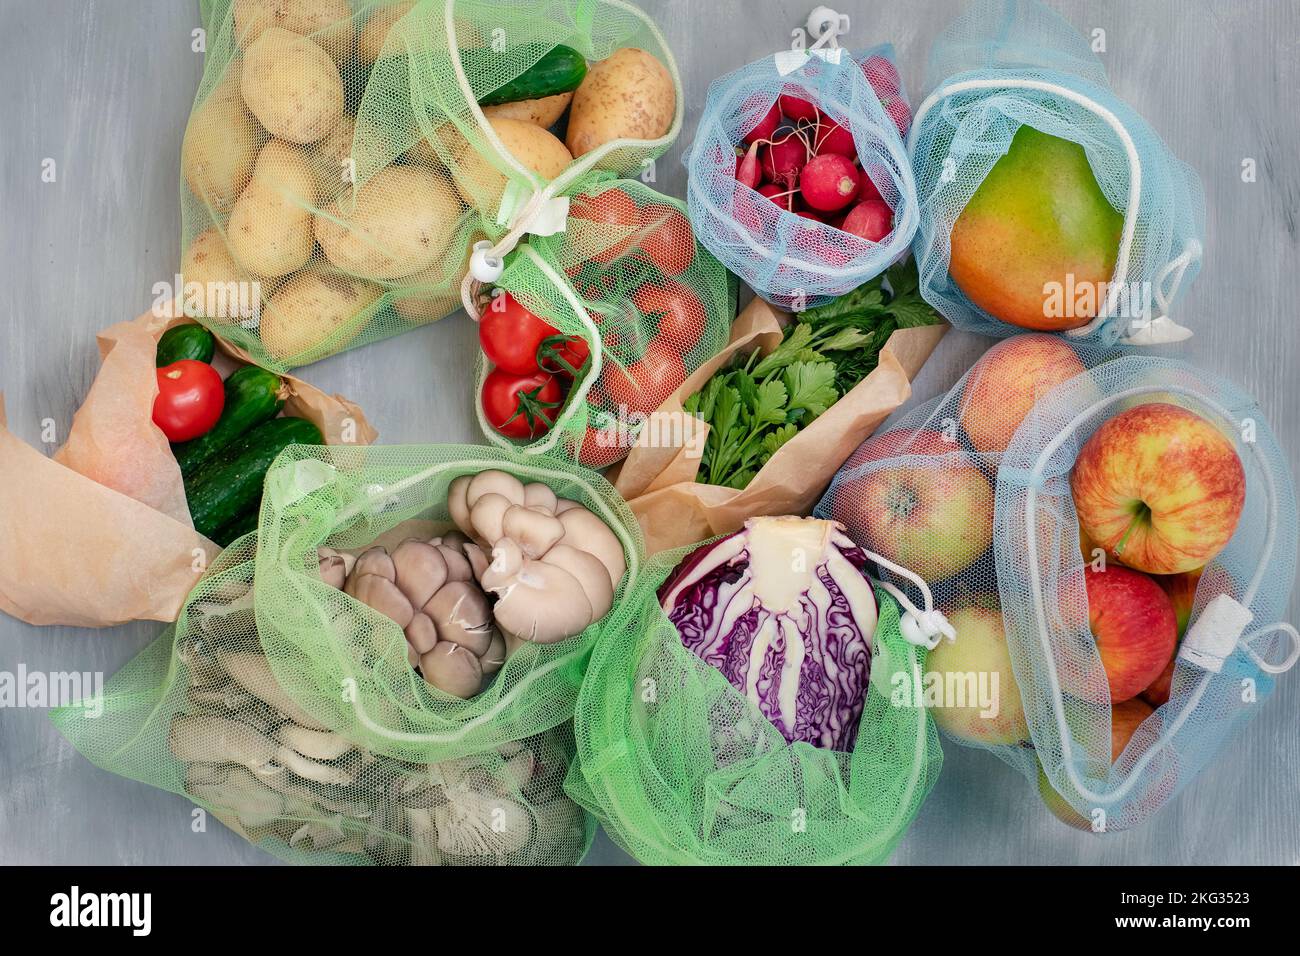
521,406
190,399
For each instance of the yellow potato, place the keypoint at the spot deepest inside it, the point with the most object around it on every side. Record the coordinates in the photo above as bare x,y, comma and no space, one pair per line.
481,184
220,145
316,313
327,22
270,227
434,293
329,159
214,286
628,96
541,112
400,223
371,41
292,86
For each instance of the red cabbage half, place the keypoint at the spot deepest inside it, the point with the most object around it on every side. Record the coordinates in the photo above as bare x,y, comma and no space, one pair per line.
784,609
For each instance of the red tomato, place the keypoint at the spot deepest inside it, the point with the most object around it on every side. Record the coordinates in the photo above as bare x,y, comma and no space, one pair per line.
602,448
675,312
643,385
564,355
521,406
667,239
190,399
510,335
613,208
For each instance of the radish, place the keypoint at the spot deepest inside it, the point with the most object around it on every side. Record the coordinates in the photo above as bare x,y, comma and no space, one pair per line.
834,138
866,188
784,156
747,168
871,220
778,194
882,75
828,182
797,108
900,113
765,126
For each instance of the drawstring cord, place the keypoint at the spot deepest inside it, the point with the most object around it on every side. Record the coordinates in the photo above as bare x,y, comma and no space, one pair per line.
923,628
487,261
1284,628
1160,328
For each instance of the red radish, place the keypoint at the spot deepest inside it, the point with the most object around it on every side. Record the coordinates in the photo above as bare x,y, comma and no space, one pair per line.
778,194
784,156
828,182
797,108
882,75
747,169
900,113
765,127
834,138
866,188
871,220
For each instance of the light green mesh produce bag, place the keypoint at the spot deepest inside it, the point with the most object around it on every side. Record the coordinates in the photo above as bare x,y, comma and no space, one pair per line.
338,165
681,768
648,303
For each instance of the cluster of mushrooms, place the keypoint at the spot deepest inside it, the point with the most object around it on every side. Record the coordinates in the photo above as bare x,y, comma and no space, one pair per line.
524,565
252,754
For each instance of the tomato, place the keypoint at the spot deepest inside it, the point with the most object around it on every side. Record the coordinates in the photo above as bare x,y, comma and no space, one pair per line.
517,341
643,385
521,406
601,448
675,312
190,399
667,238
564,355
613,208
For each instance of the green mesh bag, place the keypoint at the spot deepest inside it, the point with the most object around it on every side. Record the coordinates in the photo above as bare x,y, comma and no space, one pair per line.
212,711
651,305
337,166
681,768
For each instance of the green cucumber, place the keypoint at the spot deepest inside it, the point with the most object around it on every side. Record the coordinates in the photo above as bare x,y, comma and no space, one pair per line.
191,341
234,530
231,485
253,395
560,70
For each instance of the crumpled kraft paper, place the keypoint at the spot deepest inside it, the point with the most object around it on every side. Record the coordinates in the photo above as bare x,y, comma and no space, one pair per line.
100,533
659,483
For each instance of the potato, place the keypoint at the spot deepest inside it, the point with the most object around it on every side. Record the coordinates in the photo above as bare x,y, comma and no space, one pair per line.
328,156
220,145
400,223
292,86
230,291
371,42
432,294
270,227
480,182
327,22
628,96
542,112
315,313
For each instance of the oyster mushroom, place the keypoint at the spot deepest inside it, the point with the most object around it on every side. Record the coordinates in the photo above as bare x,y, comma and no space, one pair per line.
583,530
479,824
208,738
453,669
314,770
461,614
319,834
252,672
420,569
316,744
233,789
534,530
486,516
539,602
538,495
333,567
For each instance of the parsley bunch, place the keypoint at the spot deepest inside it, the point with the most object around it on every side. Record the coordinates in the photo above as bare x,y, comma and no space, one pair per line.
758,403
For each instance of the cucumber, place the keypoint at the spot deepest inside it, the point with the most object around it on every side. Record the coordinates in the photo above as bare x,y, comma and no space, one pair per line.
234,530
185,342
559,71
231,485
253,395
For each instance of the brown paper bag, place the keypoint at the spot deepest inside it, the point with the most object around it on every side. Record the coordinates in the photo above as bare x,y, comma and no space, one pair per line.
659,483
101,534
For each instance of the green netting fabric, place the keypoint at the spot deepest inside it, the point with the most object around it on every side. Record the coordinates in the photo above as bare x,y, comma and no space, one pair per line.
337,166
681,768
652,305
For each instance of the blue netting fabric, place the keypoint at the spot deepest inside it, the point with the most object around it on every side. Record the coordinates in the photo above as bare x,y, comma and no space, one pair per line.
1008,63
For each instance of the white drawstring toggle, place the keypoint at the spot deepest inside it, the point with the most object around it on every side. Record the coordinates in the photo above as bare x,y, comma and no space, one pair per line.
926,628
483,265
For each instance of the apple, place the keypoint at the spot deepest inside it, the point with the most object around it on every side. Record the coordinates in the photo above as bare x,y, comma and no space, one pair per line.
1125,719
978,655
1159,487
1134,625
1181,589
1003,386
930,511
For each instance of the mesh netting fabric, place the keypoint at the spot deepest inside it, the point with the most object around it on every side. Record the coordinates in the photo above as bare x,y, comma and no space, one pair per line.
972,491
1005,64
788,259
338,167
628,277
682,768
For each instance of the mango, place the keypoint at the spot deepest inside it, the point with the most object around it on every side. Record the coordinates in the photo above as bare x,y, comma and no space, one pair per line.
1037,243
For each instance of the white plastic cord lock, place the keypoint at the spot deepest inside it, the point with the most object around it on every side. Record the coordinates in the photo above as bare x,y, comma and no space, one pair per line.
925,628
826,25
1214,635
484,266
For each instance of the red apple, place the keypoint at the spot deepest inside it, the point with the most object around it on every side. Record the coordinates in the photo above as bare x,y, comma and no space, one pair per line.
1181,589
931,511
1160,488
978,657
1125,719
1003,386
1134,625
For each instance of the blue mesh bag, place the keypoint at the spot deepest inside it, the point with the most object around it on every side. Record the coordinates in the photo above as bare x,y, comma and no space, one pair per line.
992,493
1008,64
787,258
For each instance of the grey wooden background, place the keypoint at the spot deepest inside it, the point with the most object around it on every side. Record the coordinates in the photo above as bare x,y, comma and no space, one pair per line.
104,89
